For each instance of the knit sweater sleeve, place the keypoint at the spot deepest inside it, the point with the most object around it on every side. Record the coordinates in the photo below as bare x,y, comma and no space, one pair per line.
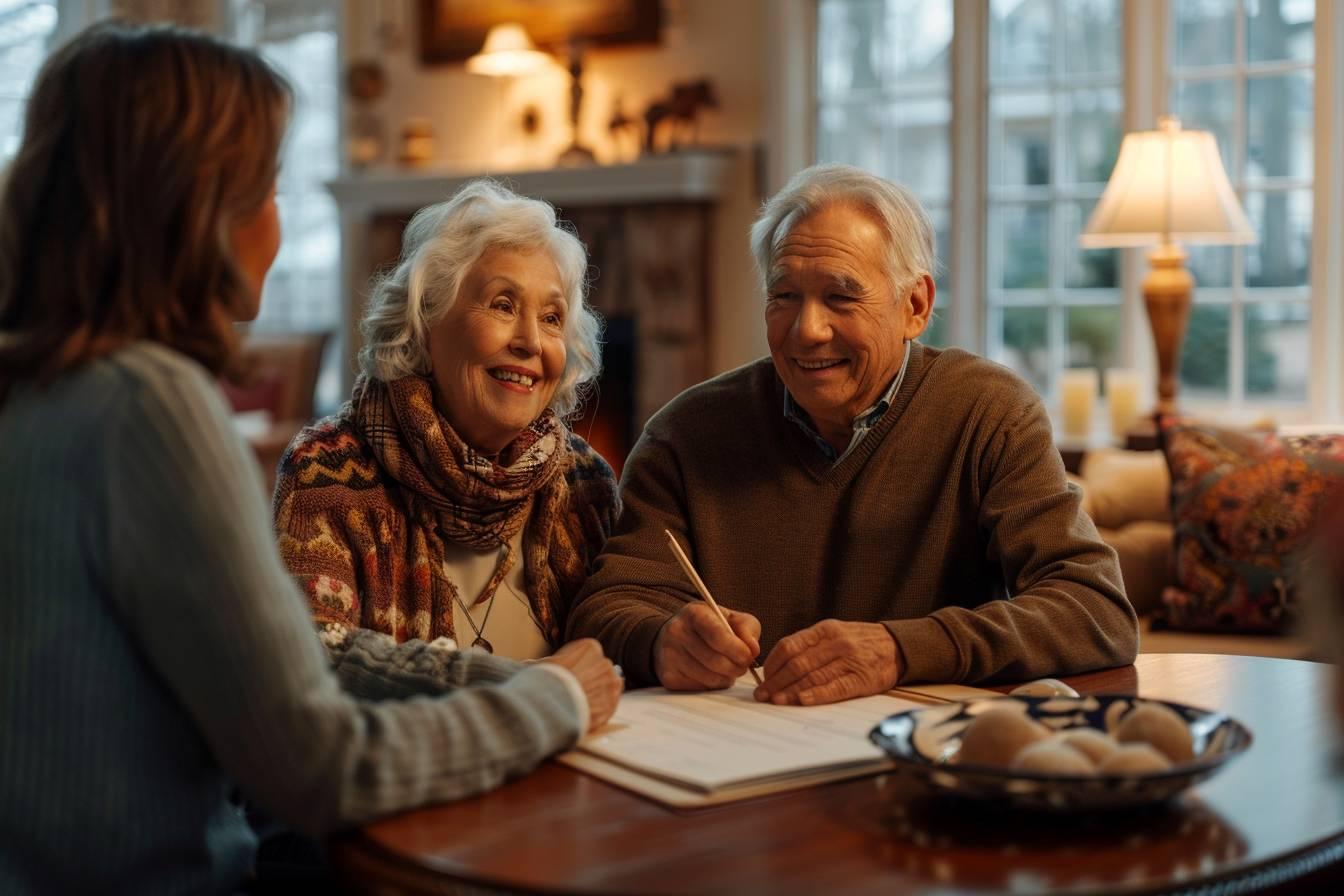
1067,611
636,587
195,577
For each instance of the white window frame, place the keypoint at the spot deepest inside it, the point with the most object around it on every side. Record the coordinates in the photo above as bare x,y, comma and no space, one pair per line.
791,116
1055,298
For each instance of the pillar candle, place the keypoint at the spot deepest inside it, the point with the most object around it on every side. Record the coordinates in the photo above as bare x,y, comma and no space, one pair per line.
1077,395
1122,395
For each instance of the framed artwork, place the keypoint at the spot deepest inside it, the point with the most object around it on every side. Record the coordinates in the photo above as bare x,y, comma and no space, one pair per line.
452,30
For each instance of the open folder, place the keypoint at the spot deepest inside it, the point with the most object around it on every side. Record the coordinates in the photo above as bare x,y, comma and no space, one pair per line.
688,750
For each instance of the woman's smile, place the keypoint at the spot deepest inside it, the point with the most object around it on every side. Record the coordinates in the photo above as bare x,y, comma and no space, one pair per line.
515,379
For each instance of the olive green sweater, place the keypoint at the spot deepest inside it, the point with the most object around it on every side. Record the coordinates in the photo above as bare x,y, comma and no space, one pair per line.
951,522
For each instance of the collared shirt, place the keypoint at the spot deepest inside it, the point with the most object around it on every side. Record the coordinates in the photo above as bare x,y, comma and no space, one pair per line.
865,421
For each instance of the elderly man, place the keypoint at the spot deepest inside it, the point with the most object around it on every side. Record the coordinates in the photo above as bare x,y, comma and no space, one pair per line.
874,511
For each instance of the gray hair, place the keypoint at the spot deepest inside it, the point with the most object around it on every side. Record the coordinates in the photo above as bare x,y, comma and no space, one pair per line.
439,247
910,243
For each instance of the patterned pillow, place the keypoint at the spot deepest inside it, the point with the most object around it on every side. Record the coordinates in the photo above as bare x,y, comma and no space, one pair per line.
1244,506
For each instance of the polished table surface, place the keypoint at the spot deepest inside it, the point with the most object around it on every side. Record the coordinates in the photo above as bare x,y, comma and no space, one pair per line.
1272,819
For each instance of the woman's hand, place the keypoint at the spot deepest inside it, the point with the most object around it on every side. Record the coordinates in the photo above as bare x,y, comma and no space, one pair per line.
600,681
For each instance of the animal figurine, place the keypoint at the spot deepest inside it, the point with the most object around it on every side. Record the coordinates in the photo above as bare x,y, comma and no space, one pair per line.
679,113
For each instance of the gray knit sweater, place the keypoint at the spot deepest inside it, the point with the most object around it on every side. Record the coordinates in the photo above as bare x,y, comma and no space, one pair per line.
154,652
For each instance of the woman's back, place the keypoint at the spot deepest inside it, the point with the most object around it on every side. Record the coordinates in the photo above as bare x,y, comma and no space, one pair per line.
109,775
154,651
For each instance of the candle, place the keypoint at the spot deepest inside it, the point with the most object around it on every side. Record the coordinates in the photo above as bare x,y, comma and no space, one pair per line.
1122,395
1077,394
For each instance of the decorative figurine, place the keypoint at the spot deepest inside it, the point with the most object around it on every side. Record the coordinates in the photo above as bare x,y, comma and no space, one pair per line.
680,112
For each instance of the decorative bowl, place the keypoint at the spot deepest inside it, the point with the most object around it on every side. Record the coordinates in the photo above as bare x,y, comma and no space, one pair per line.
924,744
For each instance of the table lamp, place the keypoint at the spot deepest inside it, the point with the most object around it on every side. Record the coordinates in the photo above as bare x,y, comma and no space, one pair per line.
1168,185
508,51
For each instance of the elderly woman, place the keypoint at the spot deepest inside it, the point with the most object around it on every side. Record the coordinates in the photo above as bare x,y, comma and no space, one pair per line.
447,498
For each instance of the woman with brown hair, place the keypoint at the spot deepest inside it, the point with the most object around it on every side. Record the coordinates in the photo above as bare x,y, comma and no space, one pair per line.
153,649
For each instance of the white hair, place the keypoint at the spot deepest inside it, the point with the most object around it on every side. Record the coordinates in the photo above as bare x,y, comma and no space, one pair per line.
910,243
439,247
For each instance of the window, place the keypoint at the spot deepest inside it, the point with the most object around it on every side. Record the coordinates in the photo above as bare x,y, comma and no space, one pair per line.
1054,129
302,293
26,30
1244,71
885,101
1027,123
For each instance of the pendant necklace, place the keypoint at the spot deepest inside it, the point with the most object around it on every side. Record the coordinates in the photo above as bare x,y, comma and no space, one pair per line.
480,639
492,587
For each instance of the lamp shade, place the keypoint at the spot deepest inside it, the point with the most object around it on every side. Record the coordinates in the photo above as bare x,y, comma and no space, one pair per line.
1168,184
507,51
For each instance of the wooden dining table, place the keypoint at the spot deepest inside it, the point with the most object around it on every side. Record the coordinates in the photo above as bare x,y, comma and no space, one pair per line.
1271,821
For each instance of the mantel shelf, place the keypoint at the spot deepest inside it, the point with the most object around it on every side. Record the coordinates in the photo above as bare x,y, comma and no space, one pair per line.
680,177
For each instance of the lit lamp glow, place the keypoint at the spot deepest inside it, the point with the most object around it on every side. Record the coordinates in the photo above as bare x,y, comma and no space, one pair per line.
1168,185
508,52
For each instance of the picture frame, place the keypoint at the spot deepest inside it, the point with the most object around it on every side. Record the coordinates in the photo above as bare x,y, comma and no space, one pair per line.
452,30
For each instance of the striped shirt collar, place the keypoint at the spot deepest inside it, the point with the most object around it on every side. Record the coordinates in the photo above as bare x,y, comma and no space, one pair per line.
865,421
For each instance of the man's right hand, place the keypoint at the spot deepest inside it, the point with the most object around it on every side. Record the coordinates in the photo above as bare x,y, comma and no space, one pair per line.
694,652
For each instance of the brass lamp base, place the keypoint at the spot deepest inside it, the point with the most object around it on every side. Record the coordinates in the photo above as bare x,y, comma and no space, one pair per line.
1167,291
576,156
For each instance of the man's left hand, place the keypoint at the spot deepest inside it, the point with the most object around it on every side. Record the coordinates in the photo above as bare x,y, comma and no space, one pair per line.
829,662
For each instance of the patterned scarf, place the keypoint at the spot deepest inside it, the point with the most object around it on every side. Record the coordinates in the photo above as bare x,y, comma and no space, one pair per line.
466,497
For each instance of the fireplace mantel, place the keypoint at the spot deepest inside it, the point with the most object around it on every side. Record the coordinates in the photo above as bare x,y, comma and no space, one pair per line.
647,226
682,177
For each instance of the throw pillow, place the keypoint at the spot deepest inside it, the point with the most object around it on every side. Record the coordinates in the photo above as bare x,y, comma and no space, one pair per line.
1127,486
1244,506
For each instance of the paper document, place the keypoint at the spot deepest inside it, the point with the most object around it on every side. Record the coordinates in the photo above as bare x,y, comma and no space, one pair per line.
711,742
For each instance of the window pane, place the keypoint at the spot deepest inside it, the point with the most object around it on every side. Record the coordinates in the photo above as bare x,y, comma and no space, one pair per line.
1204,356
1092,37
25,32
938,330
942,235
1092,128
848,41
303,290
1019,139
919,43
1280,29
11,127
1092,334
1206,32
1021,235
1211,266
1026,344
1019,39
918,147
1279,126
850,133
1278,350
1283,223
1210,106
1086,268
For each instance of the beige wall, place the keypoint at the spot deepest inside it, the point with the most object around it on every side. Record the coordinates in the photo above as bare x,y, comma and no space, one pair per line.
477,122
